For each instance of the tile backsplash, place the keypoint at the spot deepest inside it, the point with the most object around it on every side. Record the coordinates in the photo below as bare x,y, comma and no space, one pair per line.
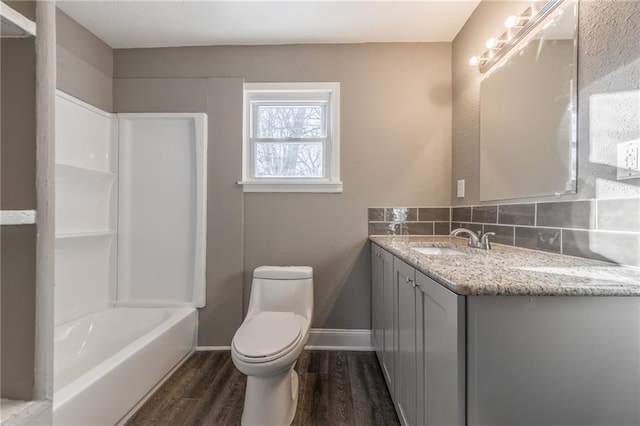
606,230
409,221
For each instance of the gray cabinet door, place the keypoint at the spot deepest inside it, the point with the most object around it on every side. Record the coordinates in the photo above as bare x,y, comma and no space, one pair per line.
377,294
405,360
388,321
383,312
441,354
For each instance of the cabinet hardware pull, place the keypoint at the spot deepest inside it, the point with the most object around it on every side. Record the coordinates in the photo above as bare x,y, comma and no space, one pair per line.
409,280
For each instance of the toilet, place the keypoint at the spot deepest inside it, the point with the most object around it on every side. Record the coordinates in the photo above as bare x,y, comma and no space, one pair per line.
269,341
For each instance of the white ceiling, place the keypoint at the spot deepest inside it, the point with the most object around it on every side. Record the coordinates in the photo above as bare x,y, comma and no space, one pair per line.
144,23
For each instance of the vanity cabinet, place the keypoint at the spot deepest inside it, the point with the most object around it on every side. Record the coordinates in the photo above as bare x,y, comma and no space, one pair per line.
485,359
383,312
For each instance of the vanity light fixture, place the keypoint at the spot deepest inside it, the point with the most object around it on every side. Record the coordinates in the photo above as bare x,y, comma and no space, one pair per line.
513,21
517,28
492,43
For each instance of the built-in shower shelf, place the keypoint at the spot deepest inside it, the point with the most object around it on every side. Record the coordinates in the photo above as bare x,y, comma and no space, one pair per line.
68,171
78,235
17,217
14,24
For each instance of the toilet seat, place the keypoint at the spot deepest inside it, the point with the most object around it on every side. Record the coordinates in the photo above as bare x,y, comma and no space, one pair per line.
267,336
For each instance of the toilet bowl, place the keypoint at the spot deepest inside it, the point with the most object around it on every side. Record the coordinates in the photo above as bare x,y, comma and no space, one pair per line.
269,341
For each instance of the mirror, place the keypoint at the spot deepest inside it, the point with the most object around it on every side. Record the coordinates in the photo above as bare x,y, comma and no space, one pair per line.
528,114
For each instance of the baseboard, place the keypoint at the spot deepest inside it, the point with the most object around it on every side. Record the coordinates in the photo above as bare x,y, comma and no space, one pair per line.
328,339
339,339
213,348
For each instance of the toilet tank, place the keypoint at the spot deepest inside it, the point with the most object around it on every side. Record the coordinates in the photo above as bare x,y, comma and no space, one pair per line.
282,289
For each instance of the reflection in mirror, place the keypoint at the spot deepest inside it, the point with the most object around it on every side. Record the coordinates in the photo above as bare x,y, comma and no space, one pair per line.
528,114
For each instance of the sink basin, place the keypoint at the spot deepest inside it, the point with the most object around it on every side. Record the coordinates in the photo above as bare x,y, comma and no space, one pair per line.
437,251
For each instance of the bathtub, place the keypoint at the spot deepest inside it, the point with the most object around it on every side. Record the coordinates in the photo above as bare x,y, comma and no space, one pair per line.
106,362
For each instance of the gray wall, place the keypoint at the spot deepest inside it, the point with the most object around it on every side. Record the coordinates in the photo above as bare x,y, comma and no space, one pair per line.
84,63
26,7
17,192
395,150
608,64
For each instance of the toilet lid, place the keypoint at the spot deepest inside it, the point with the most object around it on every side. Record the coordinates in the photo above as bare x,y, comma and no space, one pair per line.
267,334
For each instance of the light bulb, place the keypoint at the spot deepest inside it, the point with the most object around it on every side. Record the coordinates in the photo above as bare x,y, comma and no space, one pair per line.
474,61
511,21
491,43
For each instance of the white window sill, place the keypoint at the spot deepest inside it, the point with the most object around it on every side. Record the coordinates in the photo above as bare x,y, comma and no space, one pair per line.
253,186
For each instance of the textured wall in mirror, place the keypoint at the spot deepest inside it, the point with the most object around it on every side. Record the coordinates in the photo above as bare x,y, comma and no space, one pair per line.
527,115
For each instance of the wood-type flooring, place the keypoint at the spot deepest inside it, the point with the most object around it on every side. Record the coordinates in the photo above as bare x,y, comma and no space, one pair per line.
336,388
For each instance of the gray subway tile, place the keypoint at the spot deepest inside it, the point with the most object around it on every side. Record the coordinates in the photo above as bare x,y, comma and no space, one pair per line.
418,228
441,228
376,214
566,214
385,228
616,247
517,214
433,214
401,214
542,239
484,214
461,214
504,234
619,215
578,243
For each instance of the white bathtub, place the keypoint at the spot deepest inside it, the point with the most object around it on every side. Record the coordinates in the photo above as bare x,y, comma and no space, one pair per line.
105,363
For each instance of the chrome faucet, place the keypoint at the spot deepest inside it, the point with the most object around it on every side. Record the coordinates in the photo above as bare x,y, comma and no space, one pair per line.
475,240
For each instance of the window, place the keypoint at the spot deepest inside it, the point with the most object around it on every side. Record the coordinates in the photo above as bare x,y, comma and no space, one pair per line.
291,137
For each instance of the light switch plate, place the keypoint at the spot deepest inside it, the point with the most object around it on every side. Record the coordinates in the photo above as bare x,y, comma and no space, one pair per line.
461,188
628,163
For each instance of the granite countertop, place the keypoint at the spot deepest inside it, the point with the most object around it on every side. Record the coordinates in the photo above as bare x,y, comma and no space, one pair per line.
512,271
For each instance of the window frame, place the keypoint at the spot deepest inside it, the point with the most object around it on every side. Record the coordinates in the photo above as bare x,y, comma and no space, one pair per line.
295,93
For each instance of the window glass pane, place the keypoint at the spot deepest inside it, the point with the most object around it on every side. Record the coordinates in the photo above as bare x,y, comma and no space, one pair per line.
292,159
286,121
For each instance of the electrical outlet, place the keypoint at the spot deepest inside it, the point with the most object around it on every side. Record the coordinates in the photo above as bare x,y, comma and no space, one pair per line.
628,162
461,188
